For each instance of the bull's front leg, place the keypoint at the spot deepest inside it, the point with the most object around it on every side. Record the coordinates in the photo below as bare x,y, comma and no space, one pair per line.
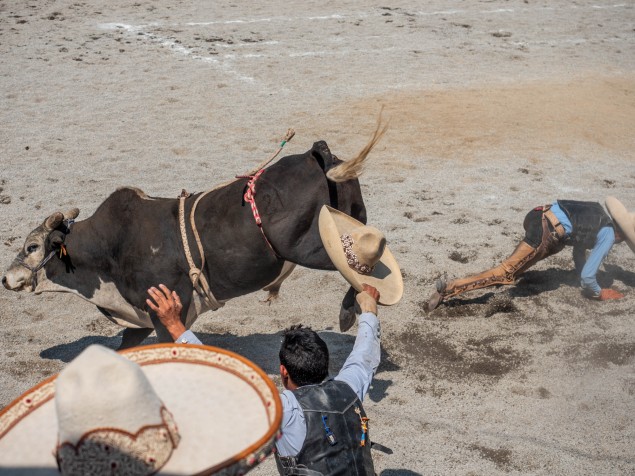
348,310
132,337
163,336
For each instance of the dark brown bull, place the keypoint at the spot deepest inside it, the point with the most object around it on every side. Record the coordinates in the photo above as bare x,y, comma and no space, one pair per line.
132,241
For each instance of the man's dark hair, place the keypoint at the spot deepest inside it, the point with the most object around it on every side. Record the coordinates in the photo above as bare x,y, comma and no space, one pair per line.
305,355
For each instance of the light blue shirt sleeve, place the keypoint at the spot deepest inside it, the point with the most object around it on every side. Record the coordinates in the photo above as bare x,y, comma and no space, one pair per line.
362,363
603,244
188,337
293,426
357,371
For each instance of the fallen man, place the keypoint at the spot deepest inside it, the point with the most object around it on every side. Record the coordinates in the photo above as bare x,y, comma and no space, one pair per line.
548,229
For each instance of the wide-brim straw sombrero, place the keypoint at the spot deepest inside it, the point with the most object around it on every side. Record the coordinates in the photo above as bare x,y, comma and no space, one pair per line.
385,276
227,411
624,219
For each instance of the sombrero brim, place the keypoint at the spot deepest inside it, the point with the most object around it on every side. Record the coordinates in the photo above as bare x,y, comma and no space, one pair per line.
624,219
386,276
228,413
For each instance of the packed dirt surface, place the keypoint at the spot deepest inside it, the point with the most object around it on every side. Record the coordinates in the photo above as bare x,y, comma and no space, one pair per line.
494,107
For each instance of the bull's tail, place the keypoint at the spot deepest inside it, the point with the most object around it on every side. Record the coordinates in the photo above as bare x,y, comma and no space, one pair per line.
351,169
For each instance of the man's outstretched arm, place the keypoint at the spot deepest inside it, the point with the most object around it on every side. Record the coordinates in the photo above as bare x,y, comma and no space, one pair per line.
361,364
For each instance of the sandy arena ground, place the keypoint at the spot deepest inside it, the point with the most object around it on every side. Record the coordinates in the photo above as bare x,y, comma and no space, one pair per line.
494,106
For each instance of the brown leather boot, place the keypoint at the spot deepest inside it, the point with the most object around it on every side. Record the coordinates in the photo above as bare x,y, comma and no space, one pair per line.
504,273
436,297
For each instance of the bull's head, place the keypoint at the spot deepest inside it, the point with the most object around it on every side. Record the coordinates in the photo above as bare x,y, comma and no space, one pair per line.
38,249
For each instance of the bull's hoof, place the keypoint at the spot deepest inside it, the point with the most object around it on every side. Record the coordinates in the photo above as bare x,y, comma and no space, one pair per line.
347,318
271,297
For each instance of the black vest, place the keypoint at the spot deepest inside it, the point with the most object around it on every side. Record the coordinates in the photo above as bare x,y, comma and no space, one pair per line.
337,402
587,218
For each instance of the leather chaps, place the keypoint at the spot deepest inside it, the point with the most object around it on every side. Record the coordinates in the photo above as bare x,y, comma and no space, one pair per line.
523,257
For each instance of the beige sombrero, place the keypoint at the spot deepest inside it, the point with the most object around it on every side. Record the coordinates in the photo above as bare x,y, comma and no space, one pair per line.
624,219
360,254
166,409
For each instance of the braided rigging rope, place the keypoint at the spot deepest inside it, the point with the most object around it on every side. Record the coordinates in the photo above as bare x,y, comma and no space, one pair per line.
196,273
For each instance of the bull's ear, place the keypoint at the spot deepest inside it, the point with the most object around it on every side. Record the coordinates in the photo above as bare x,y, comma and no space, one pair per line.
322,154
56,239
71,214
53,221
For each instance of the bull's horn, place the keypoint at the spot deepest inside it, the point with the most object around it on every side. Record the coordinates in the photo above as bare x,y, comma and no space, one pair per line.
71,214
53,221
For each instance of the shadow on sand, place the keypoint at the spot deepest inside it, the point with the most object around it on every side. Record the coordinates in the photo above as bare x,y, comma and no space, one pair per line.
614,272
399,472
262,349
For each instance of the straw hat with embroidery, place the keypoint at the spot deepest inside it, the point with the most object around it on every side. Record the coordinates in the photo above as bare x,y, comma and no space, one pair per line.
624,219
360,254
167,409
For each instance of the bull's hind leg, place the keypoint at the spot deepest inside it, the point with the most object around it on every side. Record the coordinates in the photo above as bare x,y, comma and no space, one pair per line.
133,337
163,335
274,287
348,310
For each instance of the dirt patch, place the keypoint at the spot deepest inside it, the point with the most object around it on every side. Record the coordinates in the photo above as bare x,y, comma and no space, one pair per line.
500,303
41,368
543,392
457,308
602,354
100,325
458,257
522,119
444,358
490,357
486,305
501,457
